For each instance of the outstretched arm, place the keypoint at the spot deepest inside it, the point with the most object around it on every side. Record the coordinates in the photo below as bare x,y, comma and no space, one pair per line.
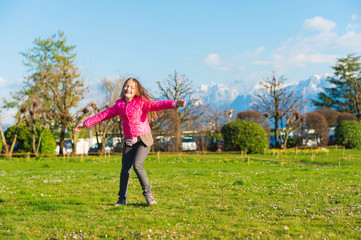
165,104
105,115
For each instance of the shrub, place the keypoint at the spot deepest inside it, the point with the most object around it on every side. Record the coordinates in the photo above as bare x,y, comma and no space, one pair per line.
1,145
292,142
348,134
48,143
23,140
241,135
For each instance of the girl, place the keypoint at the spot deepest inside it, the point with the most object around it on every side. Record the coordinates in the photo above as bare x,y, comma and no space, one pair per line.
133,107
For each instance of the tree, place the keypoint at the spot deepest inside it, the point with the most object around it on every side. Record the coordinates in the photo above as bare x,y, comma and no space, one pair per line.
47,143
277,101
255,116
178,87
78,117
330,115
9,144
111,91
293,123
20,135
344,95
346,117
54,77
316,125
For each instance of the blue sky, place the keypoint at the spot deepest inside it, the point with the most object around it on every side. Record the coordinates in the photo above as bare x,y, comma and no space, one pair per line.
238,43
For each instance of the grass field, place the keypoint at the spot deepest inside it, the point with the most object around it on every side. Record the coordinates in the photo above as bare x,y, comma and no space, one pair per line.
214,196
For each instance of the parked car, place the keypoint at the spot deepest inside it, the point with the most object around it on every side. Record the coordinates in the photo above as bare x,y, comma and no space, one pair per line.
205,142
118,147
220,145
95,148
188,144
67,148
163,146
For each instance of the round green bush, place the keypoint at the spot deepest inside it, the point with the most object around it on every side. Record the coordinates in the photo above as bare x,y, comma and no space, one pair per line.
48,143
348,134
241,135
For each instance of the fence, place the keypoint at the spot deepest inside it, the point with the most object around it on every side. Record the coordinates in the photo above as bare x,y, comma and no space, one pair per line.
281,156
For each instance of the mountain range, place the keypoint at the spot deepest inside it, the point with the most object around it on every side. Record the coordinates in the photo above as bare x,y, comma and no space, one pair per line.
225,97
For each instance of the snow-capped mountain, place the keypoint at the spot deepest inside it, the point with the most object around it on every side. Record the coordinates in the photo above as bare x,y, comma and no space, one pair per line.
224,96
219,95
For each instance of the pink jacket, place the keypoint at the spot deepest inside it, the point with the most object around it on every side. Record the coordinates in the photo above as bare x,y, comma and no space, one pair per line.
133,115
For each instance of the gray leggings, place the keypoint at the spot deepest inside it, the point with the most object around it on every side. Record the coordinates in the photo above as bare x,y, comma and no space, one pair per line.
134,156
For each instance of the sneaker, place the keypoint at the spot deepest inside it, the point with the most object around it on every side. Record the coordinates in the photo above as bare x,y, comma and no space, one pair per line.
150,201
121,202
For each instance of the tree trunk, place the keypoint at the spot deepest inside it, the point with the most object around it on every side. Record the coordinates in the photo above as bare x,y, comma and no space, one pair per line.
75,141
12,146
6,146
62,136
39,142
277,145
33,141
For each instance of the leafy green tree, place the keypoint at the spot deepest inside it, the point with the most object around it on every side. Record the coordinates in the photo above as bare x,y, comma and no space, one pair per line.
48,143
54,79
348,134
22,137
241,135
344,95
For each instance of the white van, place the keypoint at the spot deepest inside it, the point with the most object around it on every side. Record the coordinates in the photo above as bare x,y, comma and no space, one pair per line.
188,144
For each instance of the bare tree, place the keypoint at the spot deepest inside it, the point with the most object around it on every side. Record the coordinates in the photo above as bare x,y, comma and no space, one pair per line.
346,116
294,123
317,127
276,100
330,115
255,116
214,119
78,117
178,87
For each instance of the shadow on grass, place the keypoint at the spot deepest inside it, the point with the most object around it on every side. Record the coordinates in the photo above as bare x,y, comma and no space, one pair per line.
138,205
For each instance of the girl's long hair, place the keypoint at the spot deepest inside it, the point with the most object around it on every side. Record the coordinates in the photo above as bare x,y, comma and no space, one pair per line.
142,93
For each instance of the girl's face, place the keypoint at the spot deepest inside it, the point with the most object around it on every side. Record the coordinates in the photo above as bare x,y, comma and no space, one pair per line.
130,90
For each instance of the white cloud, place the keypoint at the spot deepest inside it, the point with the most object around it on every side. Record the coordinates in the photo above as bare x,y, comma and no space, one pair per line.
259,50
261,63
350,41
3,82
307,50
353,26
320,48
318,24
212,60
354,17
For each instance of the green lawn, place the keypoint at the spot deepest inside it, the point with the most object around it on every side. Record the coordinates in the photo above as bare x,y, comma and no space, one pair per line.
213,196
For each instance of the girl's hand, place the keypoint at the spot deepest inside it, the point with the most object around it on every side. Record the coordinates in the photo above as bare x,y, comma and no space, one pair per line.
79,127
180,103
